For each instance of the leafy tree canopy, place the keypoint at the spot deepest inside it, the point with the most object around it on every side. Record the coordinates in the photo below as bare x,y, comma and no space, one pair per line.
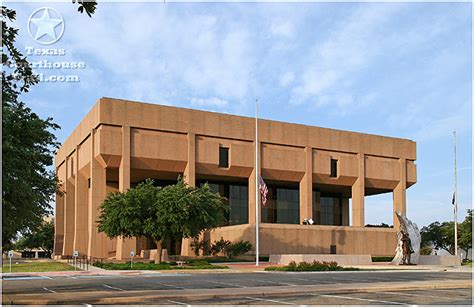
28,141
441,235
465,232
42,238
173,212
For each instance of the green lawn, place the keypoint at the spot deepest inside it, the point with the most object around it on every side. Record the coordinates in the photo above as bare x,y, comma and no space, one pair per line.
467,264
36,266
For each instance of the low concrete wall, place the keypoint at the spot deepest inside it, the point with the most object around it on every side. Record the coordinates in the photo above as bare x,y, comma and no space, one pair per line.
439,260
340,259
279,239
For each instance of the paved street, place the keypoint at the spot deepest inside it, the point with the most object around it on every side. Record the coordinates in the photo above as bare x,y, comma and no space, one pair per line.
395,287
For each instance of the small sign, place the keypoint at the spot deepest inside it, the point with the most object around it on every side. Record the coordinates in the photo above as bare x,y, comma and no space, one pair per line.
10,254
132,253
75,254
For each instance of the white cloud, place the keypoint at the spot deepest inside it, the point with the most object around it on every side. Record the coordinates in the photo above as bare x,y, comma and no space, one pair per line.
209,102
284,28
442,127
348,49
165,52
287,78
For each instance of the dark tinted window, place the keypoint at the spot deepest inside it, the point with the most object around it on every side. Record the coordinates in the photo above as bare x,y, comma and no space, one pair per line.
283,206
333,168
237,198
331,211
223,157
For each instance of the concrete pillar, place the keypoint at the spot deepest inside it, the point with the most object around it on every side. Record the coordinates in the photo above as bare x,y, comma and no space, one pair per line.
306,187
80,217
190,171
69,210
97,245
190,179
59,219
345,211
399,194
125,245
358,192
252,188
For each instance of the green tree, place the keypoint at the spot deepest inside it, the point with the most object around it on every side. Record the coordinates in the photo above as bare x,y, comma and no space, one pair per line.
42,238
173,212
465,232
441,235
432,234
28,142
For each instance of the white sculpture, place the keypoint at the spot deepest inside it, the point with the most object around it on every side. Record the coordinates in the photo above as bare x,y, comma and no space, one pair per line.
409,228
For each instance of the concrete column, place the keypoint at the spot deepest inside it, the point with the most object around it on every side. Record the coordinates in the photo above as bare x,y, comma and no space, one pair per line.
358,192
97,245
69,210
345,211
252,188
399,194
125,245
306,187
190,179
190,171
59,219
80,217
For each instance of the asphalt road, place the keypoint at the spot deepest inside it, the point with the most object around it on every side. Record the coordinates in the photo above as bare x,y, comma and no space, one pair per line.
78,289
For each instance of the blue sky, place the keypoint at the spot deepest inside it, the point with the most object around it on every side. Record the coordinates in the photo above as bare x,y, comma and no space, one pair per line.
393,69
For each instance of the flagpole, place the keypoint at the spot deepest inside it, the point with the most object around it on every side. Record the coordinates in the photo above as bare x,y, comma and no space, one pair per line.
257,248
455,201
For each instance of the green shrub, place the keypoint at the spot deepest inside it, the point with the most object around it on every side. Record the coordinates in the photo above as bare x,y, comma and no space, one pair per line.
382,258
237,248
425,250
219,246
203,245
195,246
314,266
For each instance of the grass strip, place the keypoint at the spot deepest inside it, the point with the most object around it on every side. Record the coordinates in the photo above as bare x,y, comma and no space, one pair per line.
37,266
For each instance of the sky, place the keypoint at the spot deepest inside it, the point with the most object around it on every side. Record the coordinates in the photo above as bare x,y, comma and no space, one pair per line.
394,69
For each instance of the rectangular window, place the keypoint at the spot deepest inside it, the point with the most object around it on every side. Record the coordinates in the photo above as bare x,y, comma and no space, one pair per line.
327,211
282,207
223,157
88,182
333,168
236,195
316,208
331,211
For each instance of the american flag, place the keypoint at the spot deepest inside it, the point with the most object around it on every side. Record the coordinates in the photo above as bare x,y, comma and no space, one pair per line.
263,191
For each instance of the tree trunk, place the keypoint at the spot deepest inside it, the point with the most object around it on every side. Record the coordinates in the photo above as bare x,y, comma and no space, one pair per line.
159,248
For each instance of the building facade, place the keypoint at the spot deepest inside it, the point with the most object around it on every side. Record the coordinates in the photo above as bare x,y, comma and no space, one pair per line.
310,172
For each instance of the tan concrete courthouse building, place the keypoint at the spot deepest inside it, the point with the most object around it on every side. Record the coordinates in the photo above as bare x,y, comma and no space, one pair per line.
310,172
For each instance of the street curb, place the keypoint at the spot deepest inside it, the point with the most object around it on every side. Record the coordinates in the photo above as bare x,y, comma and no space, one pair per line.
138,296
